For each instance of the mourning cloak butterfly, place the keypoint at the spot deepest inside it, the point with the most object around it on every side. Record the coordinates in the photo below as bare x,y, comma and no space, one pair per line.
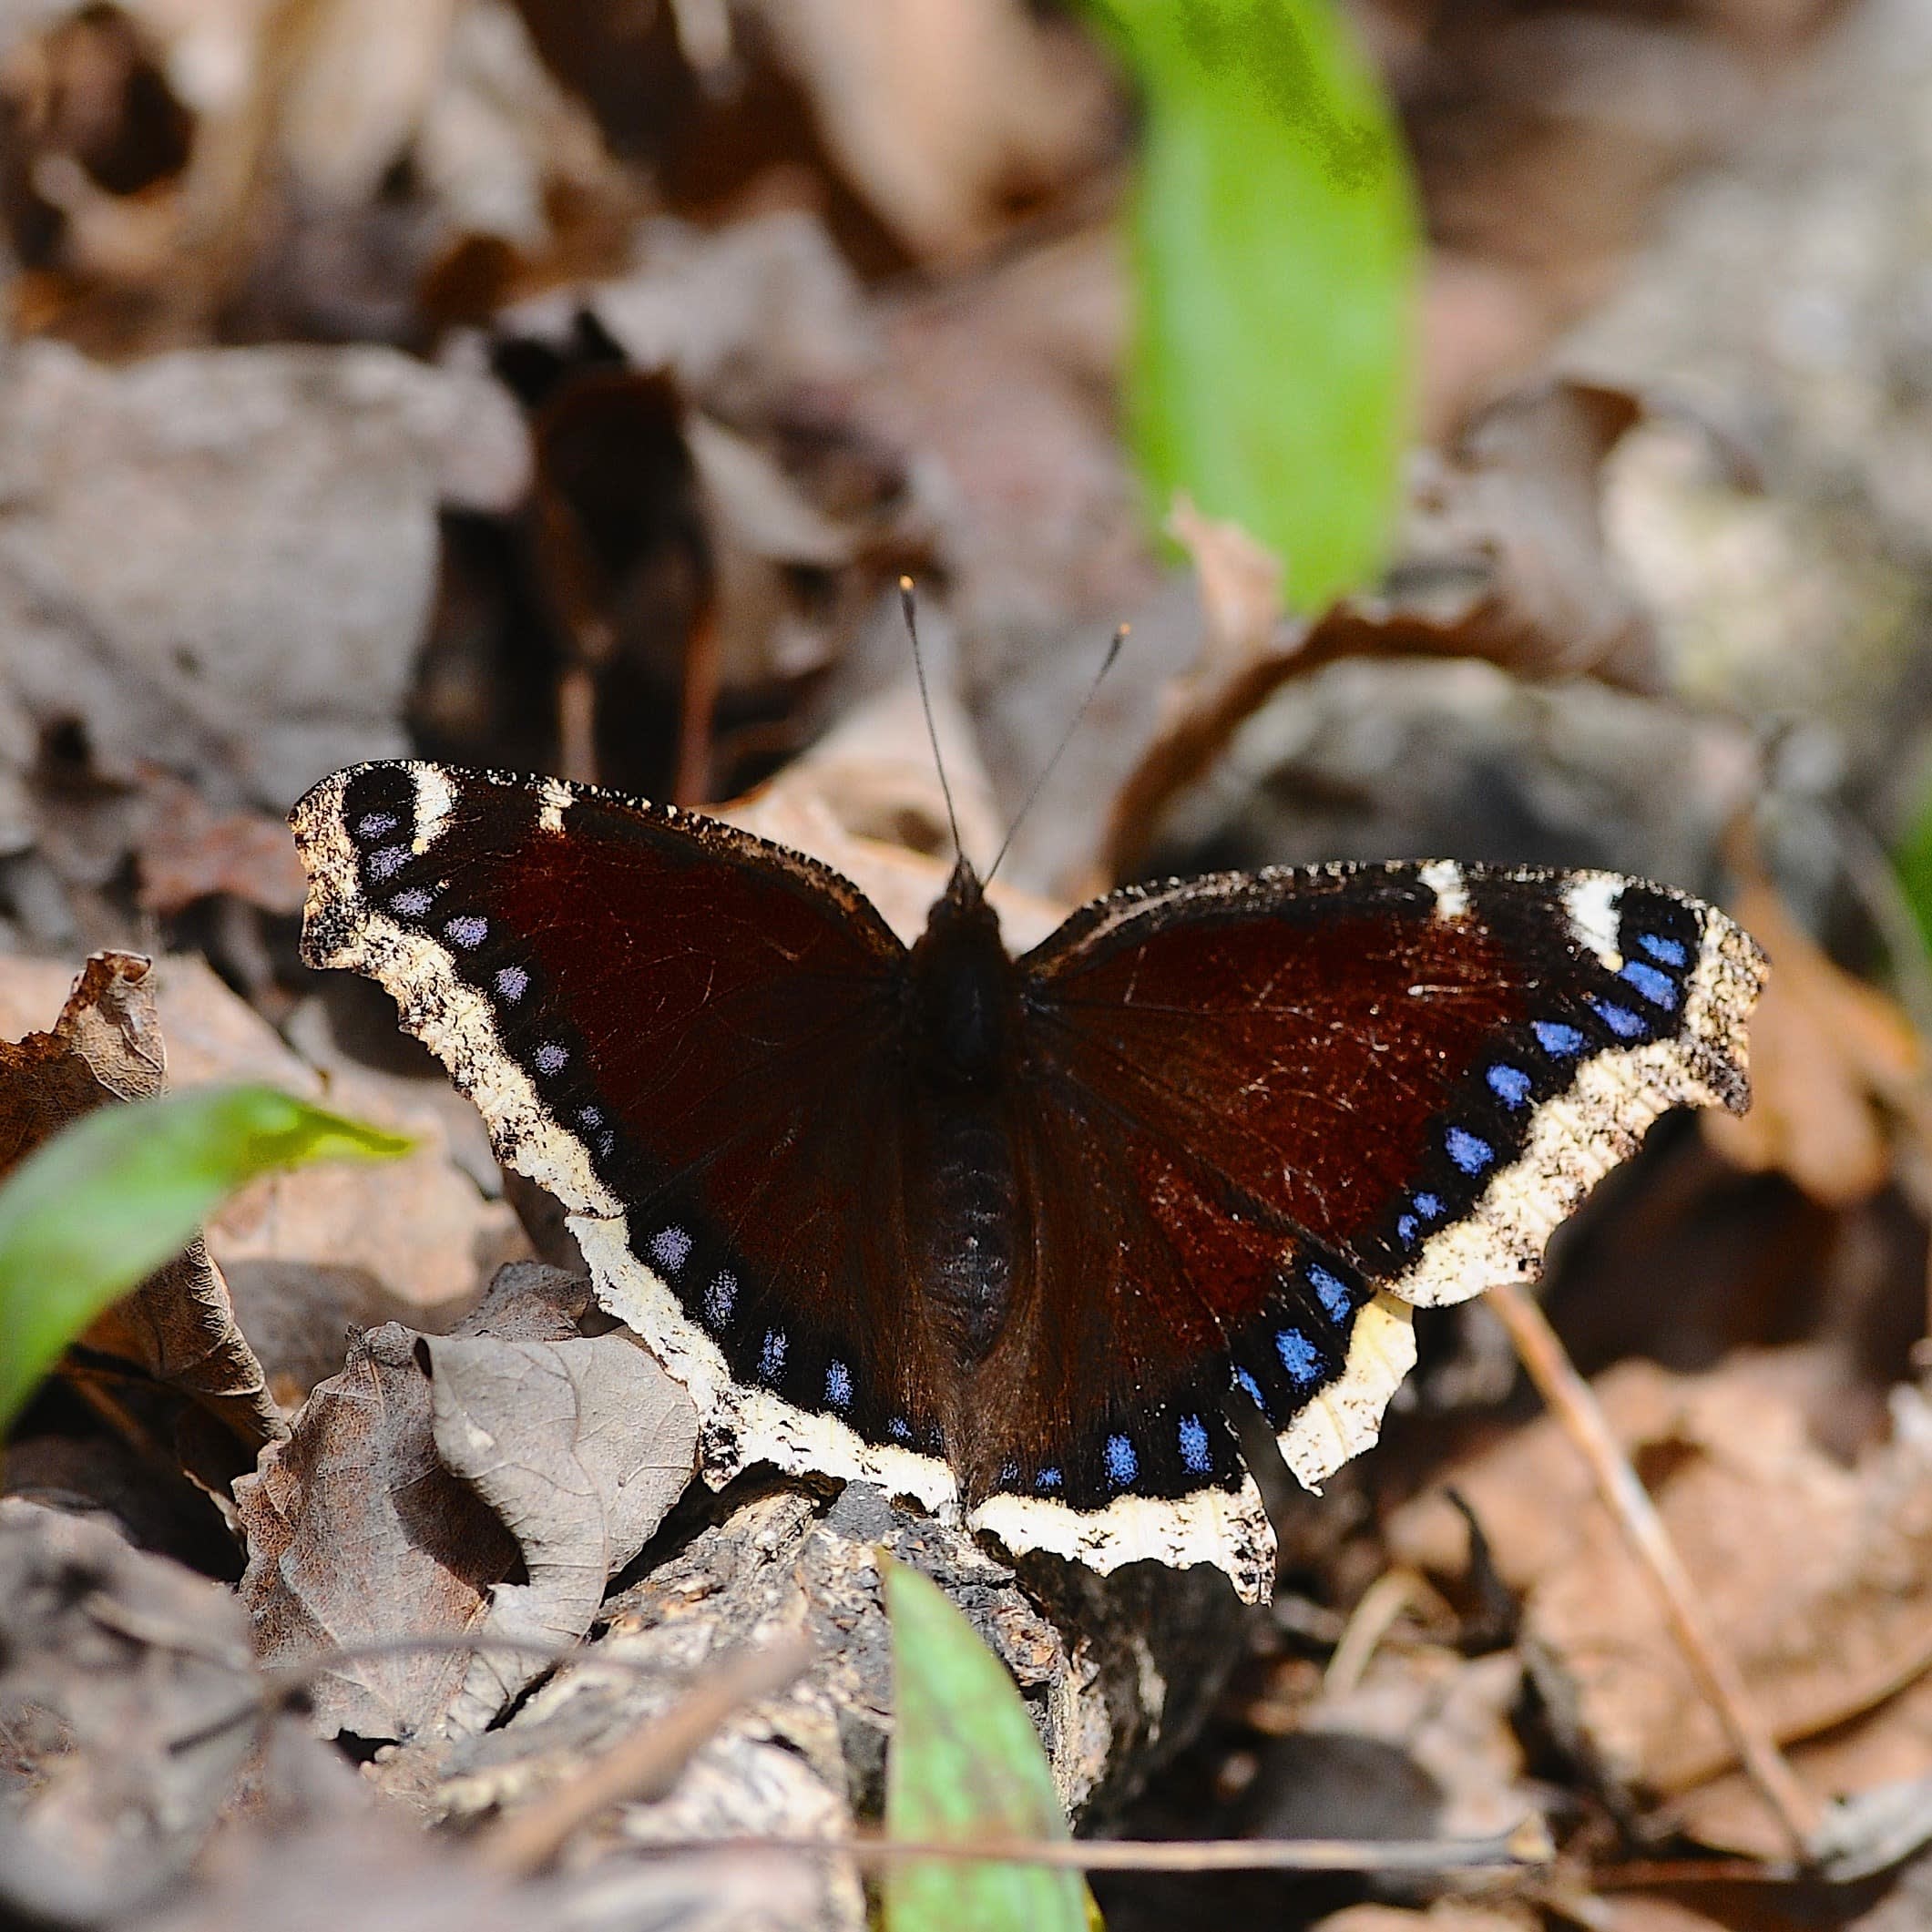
1004,1235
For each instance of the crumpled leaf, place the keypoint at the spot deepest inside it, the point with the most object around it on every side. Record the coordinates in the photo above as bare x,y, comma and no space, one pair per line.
361,1533
117,1668
178,1327
357,1535
580,1443
965,1762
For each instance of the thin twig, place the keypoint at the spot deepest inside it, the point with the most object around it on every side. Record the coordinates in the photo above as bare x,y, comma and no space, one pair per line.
1576,1408
1513,1851
646,1761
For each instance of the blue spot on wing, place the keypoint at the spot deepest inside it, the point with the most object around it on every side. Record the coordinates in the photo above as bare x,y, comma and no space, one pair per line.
838,1385
1299,1355
1621,1020
1336,1297
1407,1227
1558,1040
1244,1381
771,1357
899,1429
1657,987
1429,1206
1469,1151
1194,1454
1670,951
1510,1085
1122,1464
1048,1479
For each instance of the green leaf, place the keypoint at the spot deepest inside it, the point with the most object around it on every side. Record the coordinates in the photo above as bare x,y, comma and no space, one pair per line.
1913,862
99,1208
966,1764
1277,254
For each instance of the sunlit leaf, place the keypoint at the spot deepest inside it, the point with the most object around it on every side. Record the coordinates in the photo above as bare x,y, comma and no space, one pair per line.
966,1764
104,1203
1276,252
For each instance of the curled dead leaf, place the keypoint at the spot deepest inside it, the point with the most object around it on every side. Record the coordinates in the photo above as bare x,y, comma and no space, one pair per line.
1836,1067
170,1354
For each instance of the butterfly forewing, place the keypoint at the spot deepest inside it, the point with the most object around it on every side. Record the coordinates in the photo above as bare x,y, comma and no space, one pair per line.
684,1033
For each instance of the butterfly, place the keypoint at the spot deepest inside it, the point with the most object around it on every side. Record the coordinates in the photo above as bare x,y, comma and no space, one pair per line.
1009,1236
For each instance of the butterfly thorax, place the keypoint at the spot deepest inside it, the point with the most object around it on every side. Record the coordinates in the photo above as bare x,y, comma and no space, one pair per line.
964,988
963,1029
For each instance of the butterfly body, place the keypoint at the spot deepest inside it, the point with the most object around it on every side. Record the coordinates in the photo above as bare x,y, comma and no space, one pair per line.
1008,1235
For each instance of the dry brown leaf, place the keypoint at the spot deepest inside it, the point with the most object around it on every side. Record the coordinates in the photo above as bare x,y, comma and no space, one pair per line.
190,852
358,1536
176,1333
942,113
866,800
1834,1063
580,1443
413,1483
1818,1576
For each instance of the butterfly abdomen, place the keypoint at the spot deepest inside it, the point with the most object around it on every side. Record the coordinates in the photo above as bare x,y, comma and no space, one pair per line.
966,1281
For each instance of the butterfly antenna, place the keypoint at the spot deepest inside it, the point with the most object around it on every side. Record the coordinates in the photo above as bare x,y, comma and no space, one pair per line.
1039,784
908,603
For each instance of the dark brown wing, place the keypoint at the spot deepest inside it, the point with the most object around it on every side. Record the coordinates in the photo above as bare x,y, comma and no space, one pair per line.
687,1035
1269,1104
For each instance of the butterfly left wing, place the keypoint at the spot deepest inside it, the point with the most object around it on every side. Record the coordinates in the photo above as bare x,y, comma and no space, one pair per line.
1306,1099
685,1034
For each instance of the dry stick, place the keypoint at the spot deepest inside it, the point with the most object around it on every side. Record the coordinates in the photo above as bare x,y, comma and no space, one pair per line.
1514,1852
645,1763
1570,1400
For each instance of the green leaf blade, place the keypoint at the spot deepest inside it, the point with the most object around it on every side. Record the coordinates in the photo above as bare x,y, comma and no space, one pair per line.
102,1205
966,1764
1276,245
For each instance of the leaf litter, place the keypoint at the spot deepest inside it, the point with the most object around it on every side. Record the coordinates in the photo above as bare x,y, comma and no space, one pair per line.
326,471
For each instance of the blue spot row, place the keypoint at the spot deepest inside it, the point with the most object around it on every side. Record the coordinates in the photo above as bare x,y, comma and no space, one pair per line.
1122,1464
1246,1382
838,1386
771,1357
1194,1454
1670,951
